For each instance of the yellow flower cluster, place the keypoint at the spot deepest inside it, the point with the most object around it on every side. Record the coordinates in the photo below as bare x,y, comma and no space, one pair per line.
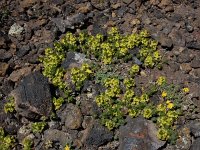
164,94
166,117
186,90
147,113
113,88
79,75
134,70
58,102
67,147
129,83
161,80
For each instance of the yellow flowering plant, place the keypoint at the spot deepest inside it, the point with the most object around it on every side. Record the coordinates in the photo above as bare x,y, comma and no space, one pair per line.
120,95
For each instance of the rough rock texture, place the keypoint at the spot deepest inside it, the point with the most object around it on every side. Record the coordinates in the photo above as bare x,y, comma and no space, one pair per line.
32,96
57,136
96,135
139,134
71,116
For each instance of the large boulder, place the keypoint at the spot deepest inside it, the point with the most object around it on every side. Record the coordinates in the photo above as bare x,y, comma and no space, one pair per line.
33,96
96,135
139,134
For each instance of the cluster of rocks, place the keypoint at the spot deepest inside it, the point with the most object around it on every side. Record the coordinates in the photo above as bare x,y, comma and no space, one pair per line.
33,25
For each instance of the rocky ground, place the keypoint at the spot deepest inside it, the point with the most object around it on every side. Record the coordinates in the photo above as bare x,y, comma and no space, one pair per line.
27,27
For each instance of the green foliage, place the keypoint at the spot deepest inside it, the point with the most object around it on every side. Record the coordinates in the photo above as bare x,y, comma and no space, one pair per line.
58,102
79,75
38,127
6,141
107,71
134,70
116,104
9,107
27,143
119,98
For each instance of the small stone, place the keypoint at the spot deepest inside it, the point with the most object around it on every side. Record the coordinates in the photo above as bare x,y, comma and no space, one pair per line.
57,135
169,8
121,11
3,68
127,1
23,132
165,3
85,9
165,41
2,41
74,58
7,87
54,125
195,128
189,28
193,45
67,9
70,22
184,57
135,21
58,2
147,21
96,135
87,121
195,63
185,67
16,75
101,5
184,140
177,38
23,50
71,116
116,6
15,29
27,3
4,55
195,72
33,97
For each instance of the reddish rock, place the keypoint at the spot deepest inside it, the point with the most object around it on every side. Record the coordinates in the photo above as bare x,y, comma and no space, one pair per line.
3,68
139,134
18,74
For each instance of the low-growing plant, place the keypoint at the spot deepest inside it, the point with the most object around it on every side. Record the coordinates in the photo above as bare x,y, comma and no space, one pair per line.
6,141
118,98
9,107
27,143
38,127
58,102
79,75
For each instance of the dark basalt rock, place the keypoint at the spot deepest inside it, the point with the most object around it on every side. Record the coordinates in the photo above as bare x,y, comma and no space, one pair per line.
71,116
33,97
4,55
7,87
193,45
195,128
23,50
70,22
101,5
139,134
56,135
96,135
